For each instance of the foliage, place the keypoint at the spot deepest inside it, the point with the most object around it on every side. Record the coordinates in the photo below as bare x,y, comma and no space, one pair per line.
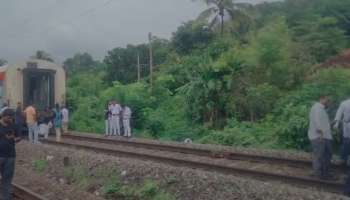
112,186
122,62
253,87
79,175
80,62
190,36
3,62
243,134
83,101
321,37
219,9
149,190
42,55
292,110
39,165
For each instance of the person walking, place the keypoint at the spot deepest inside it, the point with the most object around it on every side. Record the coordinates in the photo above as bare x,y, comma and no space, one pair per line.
31,120
108,120
57,122
343,117
19,119
321,139
115,111
9,136
126,121
65,119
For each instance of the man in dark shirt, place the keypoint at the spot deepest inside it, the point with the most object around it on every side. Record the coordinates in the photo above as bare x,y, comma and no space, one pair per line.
19,118
9,136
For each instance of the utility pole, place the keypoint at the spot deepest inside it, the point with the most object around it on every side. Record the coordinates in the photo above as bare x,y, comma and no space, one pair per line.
150,59
138,68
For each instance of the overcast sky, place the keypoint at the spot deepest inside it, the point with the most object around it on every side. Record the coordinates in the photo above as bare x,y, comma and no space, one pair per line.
65,27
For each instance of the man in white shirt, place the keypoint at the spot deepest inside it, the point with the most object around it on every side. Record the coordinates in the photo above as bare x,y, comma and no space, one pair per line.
65,119
126,121
115,118
321,139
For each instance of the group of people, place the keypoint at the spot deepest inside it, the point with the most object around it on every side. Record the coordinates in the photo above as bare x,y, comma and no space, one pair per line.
114,114
41,122
11,128
320,135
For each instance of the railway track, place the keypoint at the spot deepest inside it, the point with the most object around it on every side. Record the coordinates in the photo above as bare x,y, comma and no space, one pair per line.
194,159
183,148
22,193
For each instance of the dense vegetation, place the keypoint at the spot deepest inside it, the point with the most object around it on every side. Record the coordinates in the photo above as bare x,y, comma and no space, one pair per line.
248,79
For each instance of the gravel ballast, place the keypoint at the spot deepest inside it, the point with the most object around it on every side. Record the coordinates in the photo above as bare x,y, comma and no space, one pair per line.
181,182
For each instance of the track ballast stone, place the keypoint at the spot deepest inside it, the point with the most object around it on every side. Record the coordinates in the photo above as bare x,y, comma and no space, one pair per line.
181,182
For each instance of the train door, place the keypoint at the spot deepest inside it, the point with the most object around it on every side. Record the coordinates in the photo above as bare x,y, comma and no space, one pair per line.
39,88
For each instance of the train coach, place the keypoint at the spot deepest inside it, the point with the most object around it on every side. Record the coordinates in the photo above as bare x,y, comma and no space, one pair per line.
33,81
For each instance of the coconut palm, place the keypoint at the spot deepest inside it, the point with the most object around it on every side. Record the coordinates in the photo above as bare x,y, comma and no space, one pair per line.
219,9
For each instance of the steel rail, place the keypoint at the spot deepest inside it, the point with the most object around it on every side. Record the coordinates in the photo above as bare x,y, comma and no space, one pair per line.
23,193
334,187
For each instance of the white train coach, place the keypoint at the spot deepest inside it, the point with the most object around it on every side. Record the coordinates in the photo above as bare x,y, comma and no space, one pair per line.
33,81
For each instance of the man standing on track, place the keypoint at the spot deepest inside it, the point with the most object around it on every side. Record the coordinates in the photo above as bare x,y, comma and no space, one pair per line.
115,111
57,122
65,119
126,121
30,115
321,139
9,136
108,117
343,116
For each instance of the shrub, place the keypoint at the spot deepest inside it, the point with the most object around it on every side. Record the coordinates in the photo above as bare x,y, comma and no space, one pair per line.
39,165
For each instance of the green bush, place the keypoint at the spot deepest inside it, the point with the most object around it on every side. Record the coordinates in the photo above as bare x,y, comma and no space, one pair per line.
292,111
243,134
149,189
39,165
79,175
112,186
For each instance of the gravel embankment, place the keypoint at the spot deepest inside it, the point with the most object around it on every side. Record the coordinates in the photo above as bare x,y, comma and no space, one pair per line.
182,182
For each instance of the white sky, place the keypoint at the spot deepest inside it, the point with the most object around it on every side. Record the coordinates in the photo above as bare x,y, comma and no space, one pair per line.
65,27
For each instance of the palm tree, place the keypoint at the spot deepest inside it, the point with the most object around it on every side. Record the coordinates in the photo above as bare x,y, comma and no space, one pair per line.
219,9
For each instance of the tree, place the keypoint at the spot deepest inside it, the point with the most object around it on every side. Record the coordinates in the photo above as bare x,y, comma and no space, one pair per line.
121,63
321,37
80,62
219,9
189,36
42,55
3,62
